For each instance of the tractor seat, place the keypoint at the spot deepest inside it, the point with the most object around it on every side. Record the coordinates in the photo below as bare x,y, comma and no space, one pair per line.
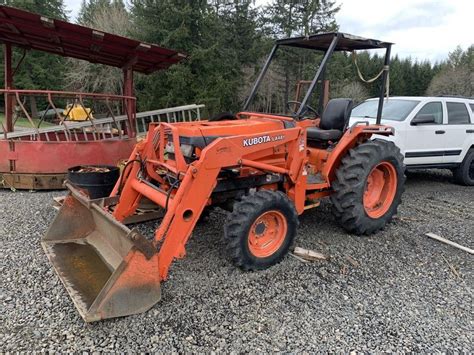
318,134
334,121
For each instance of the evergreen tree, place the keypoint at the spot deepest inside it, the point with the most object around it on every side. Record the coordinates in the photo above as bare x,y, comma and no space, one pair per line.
227,43
89,8
49,8
300,18
297,18
207,33
456,77
38,70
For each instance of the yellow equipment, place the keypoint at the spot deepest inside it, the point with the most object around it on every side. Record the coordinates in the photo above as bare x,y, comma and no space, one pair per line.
77,112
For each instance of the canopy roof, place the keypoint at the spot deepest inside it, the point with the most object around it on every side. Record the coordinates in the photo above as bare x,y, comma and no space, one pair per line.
33,31
322,41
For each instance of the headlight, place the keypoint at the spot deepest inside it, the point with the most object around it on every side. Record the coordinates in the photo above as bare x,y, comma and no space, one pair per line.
186,149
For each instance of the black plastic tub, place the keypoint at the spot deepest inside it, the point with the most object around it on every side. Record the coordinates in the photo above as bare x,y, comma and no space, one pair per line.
98,180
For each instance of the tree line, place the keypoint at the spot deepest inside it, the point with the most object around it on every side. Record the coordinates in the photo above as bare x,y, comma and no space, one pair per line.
227,43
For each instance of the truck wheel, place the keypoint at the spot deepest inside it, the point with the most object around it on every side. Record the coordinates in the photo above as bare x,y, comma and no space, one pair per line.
260,230
464,174
368,186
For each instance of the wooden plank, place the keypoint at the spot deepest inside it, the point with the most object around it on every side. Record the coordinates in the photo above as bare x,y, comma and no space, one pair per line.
309,255
447,241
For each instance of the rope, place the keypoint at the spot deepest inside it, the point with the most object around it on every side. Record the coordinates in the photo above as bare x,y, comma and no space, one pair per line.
368,81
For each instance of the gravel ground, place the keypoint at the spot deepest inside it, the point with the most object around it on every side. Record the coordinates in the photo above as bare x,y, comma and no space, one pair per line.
394,291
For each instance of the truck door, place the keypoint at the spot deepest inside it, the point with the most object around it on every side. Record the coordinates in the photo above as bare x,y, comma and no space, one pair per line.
458,132
425,142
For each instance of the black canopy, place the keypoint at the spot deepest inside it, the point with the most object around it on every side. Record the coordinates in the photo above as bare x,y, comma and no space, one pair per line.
322,41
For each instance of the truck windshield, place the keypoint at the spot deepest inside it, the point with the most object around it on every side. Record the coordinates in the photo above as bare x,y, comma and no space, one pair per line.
393,109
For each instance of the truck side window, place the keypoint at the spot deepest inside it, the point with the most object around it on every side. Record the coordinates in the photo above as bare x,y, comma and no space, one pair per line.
433,108
457,113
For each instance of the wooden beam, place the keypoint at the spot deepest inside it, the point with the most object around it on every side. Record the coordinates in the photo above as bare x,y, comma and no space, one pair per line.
447,241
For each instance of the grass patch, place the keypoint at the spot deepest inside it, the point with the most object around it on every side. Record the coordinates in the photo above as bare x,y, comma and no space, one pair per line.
24,123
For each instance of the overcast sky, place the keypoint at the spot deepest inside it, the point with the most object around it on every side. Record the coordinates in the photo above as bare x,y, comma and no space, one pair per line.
422,29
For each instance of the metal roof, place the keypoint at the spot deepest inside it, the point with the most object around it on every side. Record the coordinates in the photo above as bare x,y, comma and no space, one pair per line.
322,41
32,31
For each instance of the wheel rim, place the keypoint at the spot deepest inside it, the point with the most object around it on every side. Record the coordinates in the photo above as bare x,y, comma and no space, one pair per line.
380,189
267,234
471,170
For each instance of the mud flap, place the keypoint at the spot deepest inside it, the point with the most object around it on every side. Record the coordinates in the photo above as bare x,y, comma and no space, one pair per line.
108,270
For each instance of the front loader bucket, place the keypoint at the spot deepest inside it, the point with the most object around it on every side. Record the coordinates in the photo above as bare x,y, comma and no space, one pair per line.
108,270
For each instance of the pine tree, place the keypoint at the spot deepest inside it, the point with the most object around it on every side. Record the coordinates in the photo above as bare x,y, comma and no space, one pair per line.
456,77
89,8
214,71
38,70
297,18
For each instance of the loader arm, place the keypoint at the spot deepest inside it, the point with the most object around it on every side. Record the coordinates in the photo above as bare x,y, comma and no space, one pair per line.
110,270
185,203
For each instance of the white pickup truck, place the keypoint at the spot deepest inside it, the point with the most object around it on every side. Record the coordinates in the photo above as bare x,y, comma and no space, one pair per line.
431,132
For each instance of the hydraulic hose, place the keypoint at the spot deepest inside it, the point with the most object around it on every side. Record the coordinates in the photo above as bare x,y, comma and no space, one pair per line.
168,195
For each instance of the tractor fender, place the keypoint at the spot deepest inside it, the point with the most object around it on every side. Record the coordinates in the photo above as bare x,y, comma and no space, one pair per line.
352,137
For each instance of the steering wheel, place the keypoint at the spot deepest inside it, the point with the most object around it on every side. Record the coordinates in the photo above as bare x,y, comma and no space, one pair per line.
306,108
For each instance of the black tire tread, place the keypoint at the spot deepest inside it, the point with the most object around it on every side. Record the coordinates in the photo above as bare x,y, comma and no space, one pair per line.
461,173
242,217
350,181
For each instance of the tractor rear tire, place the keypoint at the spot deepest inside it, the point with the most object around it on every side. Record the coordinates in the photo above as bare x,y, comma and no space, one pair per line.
260,230
464,174
368,186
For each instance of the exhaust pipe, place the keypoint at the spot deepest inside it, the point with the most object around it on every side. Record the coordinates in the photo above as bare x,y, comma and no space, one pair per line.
108,270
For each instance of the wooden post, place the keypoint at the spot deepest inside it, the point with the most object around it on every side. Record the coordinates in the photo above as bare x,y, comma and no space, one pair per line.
130,104
9,99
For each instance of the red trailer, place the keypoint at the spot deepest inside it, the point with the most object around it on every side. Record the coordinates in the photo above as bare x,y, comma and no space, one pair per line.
38,157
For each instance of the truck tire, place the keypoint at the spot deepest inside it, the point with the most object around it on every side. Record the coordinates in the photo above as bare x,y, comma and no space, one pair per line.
368,186
464,174
260,230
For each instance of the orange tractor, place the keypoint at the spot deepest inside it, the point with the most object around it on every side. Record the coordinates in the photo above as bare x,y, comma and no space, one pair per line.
265,169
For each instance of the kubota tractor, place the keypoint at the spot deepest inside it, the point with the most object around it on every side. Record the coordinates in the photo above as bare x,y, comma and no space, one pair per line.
265,169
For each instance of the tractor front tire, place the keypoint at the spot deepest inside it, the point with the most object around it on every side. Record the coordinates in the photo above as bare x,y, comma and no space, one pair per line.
368,186
260,230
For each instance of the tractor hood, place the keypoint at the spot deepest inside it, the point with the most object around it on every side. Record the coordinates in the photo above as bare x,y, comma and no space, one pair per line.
200,134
